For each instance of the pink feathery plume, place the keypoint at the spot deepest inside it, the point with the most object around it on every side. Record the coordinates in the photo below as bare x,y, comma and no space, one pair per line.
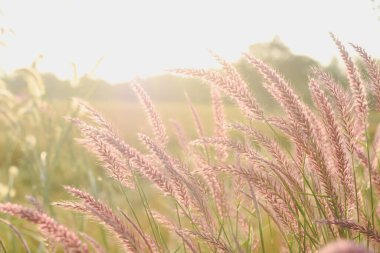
48,227
357,87
155,121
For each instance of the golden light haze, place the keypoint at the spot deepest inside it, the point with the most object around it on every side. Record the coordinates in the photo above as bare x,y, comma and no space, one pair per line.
139,38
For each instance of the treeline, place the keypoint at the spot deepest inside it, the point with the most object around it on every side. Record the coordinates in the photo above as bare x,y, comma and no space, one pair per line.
171,88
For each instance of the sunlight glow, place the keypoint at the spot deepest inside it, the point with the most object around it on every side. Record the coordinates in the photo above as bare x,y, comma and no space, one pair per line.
140,38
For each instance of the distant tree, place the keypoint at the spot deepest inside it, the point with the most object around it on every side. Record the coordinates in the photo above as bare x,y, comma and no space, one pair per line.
295,68
171,88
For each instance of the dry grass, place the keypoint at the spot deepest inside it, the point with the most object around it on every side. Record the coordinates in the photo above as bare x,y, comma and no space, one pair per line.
301,178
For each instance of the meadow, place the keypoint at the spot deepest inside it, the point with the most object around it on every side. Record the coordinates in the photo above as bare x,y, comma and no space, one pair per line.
219,176
40,155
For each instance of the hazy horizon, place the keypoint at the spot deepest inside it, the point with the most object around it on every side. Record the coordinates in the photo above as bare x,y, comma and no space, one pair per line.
129,39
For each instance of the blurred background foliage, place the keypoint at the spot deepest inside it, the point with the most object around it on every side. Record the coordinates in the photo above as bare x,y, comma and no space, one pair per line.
38,151
169,88
37,138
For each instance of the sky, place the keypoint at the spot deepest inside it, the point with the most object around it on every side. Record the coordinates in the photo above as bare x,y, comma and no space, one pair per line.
120,40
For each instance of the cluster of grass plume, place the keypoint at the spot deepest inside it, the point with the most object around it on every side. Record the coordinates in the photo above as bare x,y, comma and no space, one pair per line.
304,178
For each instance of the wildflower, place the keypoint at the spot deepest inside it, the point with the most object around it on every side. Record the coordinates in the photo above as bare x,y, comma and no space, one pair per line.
30,141
3,190
13,171
43,156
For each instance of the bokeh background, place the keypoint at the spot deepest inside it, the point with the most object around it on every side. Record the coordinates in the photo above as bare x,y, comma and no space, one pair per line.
52,51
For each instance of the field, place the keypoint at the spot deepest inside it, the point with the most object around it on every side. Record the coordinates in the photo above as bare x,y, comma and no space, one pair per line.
219,176
39,156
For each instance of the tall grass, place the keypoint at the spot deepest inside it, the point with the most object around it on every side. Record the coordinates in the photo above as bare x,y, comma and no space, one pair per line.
290,182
